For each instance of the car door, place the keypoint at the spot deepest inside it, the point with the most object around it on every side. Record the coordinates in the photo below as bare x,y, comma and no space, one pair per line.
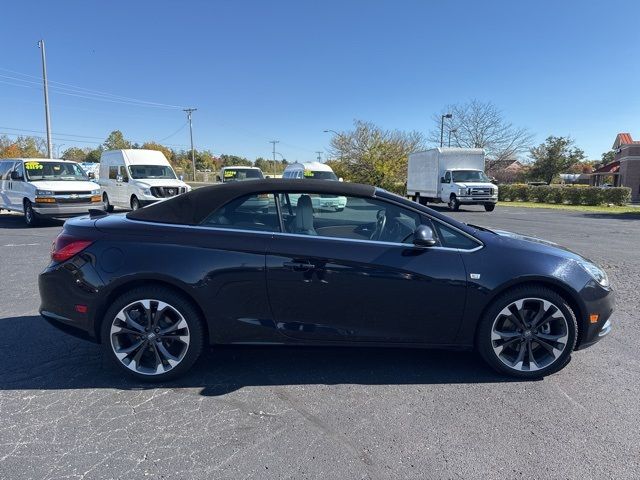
17,188
338,277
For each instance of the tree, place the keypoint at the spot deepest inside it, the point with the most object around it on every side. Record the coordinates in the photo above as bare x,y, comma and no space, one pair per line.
166,151
26,147
234,160
75,154
369,154
553,157
94,155
608,157
478,124
116,141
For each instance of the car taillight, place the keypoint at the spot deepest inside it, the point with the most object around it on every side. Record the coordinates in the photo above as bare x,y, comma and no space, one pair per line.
66,246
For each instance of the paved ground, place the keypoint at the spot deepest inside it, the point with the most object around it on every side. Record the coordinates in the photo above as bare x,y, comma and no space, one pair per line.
330,413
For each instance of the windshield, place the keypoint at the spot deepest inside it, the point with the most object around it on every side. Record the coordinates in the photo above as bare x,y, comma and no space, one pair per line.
316,175
151,171
54,171
240,174
469,176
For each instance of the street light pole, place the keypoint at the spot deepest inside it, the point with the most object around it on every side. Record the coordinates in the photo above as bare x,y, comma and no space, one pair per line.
451,130
46,97
319,157
446,115
337,135
193,153
274,155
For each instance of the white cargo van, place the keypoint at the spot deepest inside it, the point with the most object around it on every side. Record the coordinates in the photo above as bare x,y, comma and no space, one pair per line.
134,178
315,171
43,187
451,175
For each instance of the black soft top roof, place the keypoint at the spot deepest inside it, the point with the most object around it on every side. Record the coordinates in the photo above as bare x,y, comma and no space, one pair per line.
193,207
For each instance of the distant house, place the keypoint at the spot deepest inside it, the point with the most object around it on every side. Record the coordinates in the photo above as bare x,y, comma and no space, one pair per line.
505,171
625,169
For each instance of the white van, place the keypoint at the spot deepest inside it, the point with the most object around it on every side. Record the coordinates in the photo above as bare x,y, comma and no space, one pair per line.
239,174
134,178
43,187
316,171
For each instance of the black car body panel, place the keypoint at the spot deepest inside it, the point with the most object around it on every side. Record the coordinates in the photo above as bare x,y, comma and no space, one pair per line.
281,288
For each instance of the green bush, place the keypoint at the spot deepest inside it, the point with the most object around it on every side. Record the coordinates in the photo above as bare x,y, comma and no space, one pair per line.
571,194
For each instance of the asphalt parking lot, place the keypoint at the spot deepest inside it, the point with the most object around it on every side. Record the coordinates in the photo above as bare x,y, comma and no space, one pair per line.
322,413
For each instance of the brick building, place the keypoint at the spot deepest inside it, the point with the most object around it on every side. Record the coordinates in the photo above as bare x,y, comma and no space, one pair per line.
628,154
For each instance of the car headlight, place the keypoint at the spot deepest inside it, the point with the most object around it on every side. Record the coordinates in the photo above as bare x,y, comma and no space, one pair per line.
95,192
598,274
462,191
45,193
146,191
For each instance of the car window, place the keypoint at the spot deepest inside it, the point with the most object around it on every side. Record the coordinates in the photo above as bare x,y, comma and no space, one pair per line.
250,212
113,172
5,168
337,216
447,177
20,169
452,238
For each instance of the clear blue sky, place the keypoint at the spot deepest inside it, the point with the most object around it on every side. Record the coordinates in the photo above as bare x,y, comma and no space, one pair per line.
258,70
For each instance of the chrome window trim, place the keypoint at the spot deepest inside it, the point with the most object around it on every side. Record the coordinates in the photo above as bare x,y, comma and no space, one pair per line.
310,237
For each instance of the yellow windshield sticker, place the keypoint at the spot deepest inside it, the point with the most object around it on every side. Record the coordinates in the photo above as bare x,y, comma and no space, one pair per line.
33,165
309,173
229,173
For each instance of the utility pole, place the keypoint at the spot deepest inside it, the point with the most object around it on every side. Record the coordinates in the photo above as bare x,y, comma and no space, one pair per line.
46,97
451,130
319,157
193,153
274,155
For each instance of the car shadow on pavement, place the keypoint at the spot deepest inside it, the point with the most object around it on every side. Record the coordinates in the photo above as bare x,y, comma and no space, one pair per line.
614,216
36,356
8,220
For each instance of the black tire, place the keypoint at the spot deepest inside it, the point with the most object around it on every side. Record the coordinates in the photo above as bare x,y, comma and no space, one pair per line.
179,303
339,209
454,204
485,344
30,217
107,205
135,203
489,207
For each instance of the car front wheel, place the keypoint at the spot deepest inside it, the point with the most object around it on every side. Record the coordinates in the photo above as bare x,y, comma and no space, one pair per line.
529,332
153,333
30,216
135,203
454,204
489,207
107,205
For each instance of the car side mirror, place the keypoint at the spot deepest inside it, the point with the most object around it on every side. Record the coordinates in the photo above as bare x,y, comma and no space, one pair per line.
91,175
119,178
16,175
443,180
341,179
423,236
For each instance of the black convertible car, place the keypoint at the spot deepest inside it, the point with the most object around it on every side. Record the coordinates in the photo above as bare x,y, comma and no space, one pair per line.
256,263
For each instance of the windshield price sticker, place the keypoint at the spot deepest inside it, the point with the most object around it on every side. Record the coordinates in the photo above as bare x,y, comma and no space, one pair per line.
308,173
229,173
33,166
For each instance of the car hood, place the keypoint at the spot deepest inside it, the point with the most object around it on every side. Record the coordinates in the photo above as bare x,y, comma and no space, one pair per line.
539,244
65,185
159,182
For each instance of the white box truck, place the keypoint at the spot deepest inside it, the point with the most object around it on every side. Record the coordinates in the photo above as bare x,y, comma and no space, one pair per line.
451,175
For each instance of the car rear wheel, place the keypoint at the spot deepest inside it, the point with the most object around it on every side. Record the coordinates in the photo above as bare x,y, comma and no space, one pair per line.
107,205
153,333
30,216
528,332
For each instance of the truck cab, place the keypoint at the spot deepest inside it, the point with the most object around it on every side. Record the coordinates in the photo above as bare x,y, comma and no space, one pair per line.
467,187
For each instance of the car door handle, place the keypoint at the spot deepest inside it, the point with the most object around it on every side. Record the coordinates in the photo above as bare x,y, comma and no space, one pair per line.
299,266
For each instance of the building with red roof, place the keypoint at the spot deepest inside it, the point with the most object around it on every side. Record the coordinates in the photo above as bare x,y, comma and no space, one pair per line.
626,164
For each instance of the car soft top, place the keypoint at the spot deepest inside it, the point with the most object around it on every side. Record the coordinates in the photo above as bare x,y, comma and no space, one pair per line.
193,207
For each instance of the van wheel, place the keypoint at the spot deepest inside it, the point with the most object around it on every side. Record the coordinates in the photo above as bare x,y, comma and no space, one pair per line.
489,207
30,217
454,204
105,200
135,203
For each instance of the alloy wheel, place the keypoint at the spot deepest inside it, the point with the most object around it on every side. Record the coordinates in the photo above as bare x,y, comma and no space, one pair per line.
529,334
149,337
